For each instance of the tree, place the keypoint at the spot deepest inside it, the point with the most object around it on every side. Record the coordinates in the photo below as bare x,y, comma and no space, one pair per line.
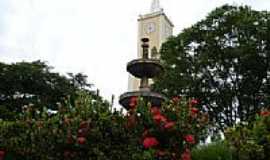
223,61
34,83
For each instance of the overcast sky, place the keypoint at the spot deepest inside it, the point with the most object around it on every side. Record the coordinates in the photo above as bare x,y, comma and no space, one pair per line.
96,37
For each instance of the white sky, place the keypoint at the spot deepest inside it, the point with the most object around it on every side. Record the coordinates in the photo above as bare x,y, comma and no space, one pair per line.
96,37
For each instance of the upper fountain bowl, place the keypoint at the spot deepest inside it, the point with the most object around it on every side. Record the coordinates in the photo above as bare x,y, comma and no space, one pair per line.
145,68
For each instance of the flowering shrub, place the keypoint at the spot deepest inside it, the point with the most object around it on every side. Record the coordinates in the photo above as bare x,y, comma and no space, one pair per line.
91,130
88,129
169,132
251,141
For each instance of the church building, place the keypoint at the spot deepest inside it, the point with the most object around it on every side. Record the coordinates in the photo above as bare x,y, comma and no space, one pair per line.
157,27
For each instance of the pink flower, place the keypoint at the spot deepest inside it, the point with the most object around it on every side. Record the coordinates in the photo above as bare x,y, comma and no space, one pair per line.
169,125
150,142
194,102
190,139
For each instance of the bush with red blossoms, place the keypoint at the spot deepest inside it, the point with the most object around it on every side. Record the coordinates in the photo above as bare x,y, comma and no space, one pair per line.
92,130
171,130
88,130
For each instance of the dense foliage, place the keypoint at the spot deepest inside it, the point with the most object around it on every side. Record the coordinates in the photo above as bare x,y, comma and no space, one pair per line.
91,130
88,129
34,83
251,141
223,61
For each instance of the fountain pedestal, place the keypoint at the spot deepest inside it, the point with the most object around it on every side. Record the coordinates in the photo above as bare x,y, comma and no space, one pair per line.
143,68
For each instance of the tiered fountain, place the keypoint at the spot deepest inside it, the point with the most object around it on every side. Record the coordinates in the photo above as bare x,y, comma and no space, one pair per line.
143,68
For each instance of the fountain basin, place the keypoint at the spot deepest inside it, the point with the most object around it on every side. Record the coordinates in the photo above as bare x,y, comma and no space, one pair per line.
154,98
145,68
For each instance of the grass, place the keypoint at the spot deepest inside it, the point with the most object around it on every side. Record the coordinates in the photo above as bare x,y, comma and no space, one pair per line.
212,151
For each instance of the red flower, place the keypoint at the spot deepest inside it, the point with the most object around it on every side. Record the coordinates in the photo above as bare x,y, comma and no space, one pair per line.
194,102
265,113
189,138
150,142
133,102
81,140
194,111
155,110
169,125
159,118
176,99
186,155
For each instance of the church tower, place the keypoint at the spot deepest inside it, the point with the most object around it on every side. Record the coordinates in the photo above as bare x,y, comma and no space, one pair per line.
157,27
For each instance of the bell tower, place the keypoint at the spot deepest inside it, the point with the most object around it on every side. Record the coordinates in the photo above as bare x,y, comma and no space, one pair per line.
157,27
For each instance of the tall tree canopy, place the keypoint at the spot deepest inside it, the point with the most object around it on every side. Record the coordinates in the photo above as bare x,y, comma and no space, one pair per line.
223,61
34,83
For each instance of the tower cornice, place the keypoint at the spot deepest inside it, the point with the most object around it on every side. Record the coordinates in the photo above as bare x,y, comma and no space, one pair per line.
155,14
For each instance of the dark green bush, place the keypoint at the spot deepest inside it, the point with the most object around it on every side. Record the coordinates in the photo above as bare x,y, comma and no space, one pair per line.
251,141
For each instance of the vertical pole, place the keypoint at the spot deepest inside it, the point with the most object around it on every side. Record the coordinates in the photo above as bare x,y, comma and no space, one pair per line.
145,46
